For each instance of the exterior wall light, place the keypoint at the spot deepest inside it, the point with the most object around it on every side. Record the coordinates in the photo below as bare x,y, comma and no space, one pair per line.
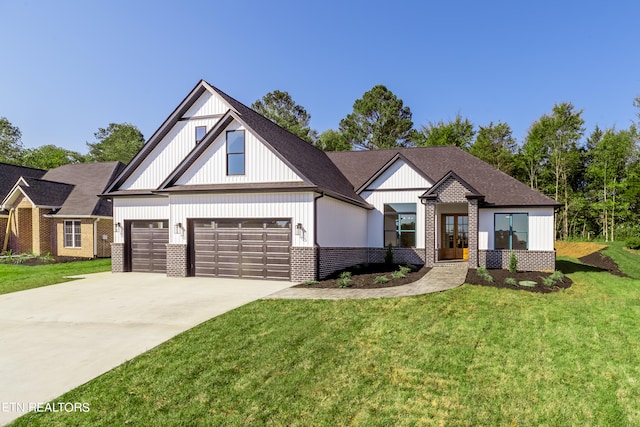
178,228
298,229
118,227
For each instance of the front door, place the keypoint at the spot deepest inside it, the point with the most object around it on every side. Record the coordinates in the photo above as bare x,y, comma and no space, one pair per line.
455,236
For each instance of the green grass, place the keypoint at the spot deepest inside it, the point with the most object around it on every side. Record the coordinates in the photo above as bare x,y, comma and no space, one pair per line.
474,355
17,277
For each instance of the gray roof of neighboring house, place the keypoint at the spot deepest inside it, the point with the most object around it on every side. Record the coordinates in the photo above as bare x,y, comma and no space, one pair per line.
9,175
88,180
46,193
498,188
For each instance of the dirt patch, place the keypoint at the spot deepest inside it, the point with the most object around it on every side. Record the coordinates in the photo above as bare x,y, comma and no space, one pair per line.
603,262
363,276
577,249
500,280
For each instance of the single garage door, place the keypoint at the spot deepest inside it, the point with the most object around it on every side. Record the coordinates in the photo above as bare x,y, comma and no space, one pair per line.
250,248
149,246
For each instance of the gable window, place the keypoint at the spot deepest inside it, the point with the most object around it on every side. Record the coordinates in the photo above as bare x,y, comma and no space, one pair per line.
235,152
72,234
200,133
511,230
400,224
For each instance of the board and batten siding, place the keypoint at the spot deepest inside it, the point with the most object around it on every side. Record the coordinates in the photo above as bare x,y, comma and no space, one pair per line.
541,232
340,224
295,206
375,218
175,146
398,176
138,208
261,164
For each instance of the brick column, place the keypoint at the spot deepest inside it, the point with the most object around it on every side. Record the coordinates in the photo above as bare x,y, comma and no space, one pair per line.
430,233
117,257
473,233
176,260
304,264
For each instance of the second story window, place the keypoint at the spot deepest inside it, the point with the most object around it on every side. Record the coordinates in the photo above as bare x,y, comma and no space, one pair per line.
200,133
235,152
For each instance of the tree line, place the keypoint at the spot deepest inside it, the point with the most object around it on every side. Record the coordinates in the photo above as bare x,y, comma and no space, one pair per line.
595,177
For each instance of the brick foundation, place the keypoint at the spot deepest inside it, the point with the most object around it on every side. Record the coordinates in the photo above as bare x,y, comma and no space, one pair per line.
303,264
400,255
117,257
527,260
334,259
177,260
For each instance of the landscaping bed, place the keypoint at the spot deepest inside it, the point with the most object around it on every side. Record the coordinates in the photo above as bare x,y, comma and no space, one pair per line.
33,260
524,280
603,262
363,276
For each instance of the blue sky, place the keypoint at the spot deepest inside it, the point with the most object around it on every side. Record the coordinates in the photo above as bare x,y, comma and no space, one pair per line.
70,67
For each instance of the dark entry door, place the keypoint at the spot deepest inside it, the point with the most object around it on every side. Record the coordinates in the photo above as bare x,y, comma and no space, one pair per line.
455,236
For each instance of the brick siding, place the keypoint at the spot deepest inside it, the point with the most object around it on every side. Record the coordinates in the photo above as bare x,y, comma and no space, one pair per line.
527,260
177,260
303,264
105,228
3,230
400,255
117,257
334,259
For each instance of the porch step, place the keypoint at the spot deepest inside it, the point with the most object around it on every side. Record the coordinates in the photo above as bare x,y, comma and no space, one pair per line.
457,264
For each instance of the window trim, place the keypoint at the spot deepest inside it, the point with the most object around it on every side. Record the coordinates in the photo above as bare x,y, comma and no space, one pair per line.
398,230
243,152
73,234
511,230
203,134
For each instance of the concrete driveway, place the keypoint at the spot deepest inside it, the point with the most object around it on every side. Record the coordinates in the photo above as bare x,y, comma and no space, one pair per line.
58,337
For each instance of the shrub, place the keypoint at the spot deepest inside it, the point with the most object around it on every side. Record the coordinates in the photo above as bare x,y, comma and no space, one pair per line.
310,282
557,276
380,279
528,283
404,269
513,263
345,279
484,274
398,275
548,281
510,281
411,267
388,256
633,243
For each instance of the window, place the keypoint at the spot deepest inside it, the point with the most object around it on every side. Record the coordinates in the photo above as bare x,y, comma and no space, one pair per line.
200,133
511,230
235,152
400,224
72,235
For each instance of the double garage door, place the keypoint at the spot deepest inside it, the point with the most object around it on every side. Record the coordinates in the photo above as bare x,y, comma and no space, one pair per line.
250,248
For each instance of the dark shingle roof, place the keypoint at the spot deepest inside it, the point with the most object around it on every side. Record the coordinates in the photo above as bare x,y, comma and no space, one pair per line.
46,193
498,188
9,175
89,180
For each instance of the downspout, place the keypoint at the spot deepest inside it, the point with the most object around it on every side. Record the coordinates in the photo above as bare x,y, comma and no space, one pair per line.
95,238
315,232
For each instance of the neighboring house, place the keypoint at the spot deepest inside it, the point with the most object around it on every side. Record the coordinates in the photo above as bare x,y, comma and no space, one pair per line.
59,211
219,190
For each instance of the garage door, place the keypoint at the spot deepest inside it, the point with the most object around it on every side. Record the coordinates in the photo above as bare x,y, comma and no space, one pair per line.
149,246
250,248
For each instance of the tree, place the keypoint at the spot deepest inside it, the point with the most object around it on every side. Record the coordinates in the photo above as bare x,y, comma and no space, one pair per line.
281,109
50,157
10,142
117,142
379,120
331,140
458,133
495,145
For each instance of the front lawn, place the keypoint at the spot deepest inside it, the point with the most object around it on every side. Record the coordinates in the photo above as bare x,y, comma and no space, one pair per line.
469,356
18,277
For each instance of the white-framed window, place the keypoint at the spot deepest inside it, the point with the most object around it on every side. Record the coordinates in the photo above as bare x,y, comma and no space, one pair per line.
72,234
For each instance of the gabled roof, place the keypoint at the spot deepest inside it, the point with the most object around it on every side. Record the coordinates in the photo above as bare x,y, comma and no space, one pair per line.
387,165
498,188
433,191
44,193
9,174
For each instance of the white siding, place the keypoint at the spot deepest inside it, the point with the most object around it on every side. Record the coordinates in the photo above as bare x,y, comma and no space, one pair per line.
297,206
541,233
399,176
261,164
341,224
375,224
175,145
208,104
138,208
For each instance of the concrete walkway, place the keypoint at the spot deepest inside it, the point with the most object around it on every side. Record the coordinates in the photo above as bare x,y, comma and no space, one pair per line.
436,280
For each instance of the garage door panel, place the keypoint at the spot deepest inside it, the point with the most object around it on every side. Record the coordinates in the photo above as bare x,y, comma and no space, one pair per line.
149,246
251,249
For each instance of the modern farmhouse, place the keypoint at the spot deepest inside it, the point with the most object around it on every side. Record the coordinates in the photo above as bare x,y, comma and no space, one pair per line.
219,190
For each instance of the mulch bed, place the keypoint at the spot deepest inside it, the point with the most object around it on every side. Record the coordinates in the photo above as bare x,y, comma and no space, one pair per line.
43,261
499,277
603,262
363,277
